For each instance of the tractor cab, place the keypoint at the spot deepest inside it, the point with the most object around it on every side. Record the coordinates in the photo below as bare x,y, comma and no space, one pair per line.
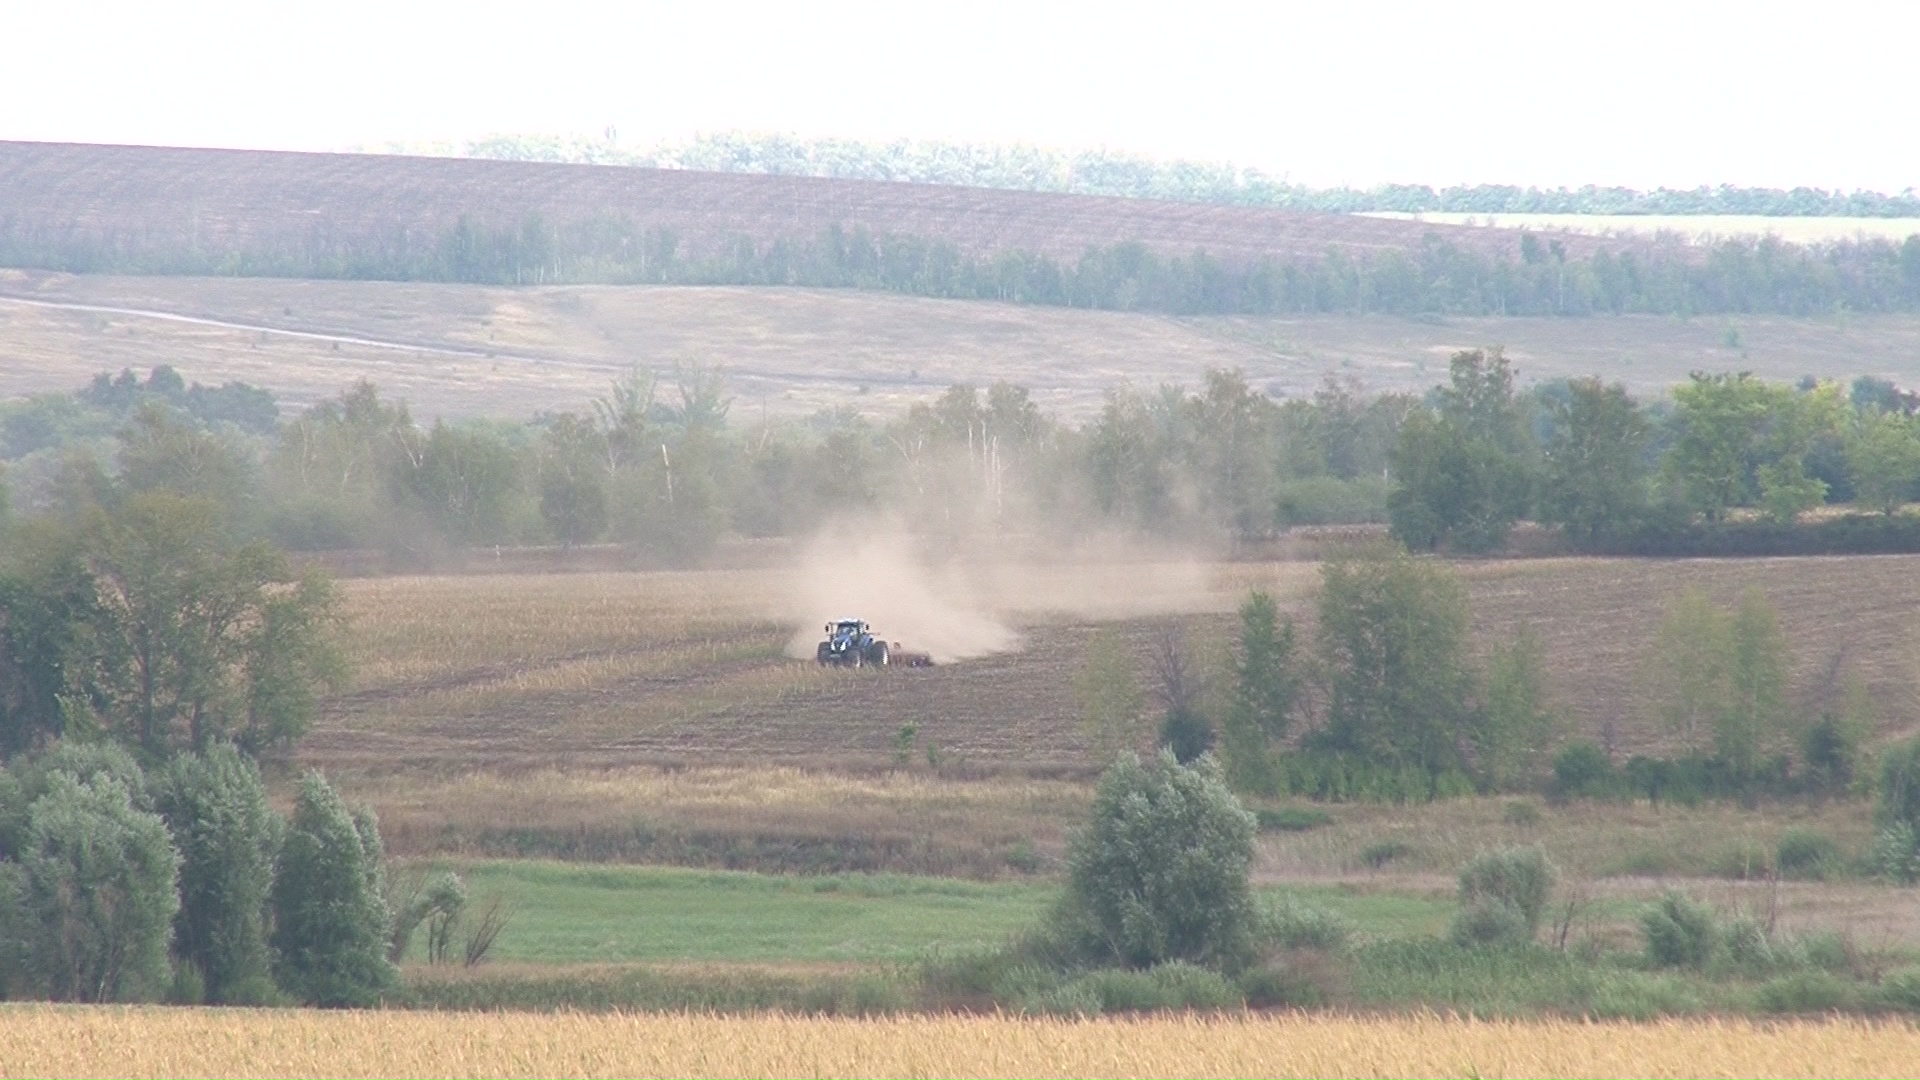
850,643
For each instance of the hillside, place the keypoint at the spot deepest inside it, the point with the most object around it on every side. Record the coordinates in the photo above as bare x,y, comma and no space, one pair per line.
263,205
465,350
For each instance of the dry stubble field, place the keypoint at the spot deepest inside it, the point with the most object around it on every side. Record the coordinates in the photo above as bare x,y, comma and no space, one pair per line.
463,350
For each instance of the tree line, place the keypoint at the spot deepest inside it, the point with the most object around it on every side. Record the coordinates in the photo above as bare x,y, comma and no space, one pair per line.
179,881
1738,275
1022,167
1385,695
1725,464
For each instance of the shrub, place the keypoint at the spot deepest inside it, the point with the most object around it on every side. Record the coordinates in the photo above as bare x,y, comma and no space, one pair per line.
228,836
1490,924
1745,860
330,928
1747,944
1291,923
1895,854
1160,873
1806,991
1297,979
1807,855
438,902
1177,985
99,896
1522,812
1186,734
1680,932
1901,990
1381,852
1582,770
1900,785
1830,950
1502,896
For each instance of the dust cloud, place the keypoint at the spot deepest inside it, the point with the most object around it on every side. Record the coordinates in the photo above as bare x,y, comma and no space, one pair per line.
974,601
857,572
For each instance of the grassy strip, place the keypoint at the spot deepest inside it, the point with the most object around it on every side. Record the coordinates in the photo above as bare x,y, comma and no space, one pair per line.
574,913
652,938
566,913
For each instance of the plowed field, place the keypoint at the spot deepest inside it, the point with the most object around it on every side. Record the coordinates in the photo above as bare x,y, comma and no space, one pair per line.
691,668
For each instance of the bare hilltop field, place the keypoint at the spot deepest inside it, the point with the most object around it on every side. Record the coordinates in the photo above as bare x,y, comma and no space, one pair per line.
133,198
459,350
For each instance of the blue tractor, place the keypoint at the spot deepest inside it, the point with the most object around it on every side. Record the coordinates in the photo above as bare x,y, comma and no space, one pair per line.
850,643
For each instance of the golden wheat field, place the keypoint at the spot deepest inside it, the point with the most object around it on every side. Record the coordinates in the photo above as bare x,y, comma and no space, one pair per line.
72,1041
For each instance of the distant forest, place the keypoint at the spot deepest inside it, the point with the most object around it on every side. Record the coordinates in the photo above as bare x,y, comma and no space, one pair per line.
1021,167
1736,276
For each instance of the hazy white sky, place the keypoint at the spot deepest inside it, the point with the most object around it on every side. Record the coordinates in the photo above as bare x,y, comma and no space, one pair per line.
1643,94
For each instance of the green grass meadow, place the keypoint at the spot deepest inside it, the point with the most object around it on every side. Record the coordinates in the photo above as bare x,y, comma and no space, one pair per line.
569,913
572,913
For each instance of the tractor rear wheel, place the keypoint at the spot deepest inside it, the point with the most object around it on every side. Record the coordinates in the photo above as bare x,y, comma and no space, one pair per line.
880,656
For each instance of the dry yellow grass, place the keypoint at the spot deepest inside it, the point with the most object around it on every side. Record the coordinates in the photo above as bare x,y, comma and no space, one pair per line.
57,1041
945,817
792,351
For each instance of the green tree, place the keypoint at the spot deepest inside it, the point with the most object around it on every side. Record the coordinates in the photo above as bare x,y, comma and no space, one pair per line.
1520,723
1756,716
1800,420
1688,674
1721,420
1393,639
216,641
1883,457
1160,872
1832,748
573,491
1110,698
1463,477
51,624
463,480
334,472
1595,475
1266,687
673,502
227,836
330,915
99,882
1741,439
1232,425
160,450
